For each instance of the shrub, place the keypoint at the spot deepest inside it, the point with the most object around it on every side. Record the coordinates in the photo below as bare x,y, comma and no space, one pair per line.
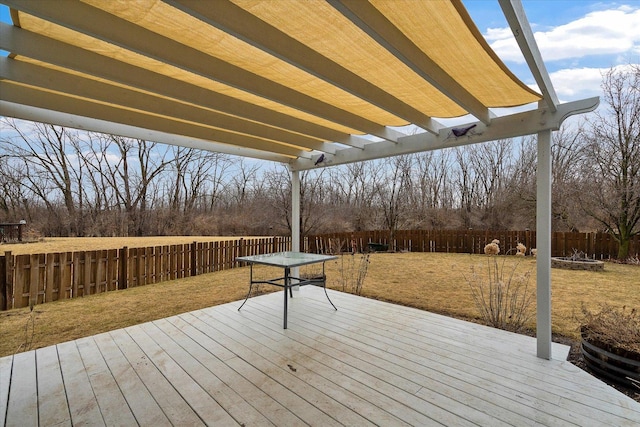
352,267
353,270
502,296
616,327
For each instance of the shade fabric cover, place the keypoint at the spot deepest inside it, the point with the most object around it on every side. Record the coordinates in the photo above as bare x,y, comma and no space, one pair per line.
291,78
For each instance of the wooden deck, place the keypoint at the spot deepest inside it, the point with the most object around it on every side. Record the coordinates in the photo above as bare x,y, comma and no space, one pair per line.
369,363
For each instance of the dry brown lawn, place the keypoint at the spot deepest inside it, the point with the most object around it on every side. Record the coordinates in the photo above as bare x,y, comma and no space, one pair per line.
67,244
429,281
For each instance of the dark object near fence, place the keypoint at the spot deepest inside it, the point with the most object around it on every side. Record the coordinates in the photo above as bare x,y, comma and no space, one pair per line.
610,362
11,232
378,247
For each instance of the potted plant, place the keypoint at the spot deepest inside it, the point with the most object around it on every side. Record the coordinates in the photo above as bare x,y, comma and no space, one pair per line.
611,343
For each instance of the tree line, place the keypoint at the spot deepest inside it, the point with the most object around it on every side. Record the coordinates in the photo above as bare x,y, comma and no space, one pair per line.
67,182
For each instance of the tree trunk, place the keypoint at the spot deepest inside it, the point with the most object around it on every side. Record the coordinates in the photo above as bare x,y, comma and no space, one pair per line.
623,248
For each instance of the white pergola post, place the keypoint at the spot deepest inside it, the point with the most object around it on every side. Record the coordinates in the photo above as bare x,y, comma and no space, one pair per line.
295,211
295,219
543,243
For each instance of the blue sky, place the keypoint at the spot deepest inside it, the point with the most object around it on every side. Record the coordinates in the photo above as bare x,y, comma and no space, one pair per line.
578,39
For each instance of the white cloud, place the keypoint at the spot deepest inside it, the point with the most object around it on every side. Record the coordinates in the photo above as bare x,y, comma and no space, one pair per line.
577,83
613,31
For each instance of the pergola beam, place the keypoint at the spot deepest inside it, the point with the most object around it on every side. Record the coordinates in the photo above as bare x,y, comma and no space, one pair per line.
43,115
35,46
56,102
377,26
76,86
72,14
241,24
525,123
517,19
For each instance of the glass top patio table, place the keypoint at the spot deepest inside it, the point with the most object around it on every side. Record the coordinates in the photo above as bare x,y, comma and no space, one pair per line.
286,259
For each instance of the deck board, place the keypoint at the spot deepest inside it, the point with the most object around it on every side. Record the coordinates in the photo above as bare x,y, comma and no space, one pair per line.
440,388
5,375
22,407
52,398
203,404
174,407
369,363
143,407
83,405
111,401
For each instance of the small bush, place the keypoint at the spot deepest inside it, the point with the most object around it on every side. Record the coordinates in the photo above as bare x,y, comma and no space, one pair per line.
502,297
352,267
616,327
353,270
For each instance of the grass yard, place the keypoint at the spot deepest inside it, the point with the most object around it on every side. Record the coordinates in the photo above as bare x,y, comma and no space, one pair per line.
429,281
436,282
67,244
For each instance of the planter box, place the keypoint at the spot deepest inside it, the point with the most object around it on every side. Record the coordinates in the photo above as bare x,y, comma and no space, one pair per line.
612,363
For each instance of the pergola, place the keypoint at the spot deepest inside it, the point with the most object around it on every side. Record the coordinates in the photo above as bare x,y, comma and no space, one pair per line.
306,83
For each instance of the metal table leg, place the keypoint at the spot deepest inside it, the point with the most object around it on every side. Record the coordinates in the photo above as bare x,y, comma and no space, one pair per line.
287,289
250,286
324,286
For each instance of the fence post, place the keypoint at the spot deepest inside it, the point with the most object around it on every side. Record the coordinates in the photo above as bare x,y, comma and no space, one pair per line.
194,259
6,282
34,279
123,271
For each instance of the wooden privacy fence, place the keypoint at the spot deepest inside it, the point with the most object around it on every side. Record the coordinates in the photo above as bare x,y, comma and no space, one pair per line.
34,279
593,245
37,278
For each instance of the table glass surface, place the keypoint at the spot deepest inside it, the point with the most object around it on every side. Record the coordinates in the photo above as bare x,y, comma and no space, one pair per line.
286,259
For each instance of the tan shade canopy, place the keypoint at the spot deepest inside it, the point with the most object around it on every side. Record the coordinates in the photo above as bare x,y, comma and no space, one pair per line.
281,80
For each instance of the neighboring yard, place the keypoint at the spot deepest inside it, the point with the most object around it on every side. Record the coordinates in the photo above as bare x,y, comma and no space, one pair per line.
429,281
64,244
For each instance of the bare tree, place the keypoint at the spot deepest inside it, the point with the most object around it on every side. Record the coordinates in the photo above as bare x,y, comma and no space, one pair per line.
245,174
431,195
312,198
393,191
492,166
49,155
611,163
132,177
354,190
566,150
465,186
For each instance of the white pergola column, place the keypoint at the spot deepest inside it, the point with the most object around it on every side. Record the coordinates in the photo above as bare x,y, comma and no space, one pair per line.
295,219
295,211
543,243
